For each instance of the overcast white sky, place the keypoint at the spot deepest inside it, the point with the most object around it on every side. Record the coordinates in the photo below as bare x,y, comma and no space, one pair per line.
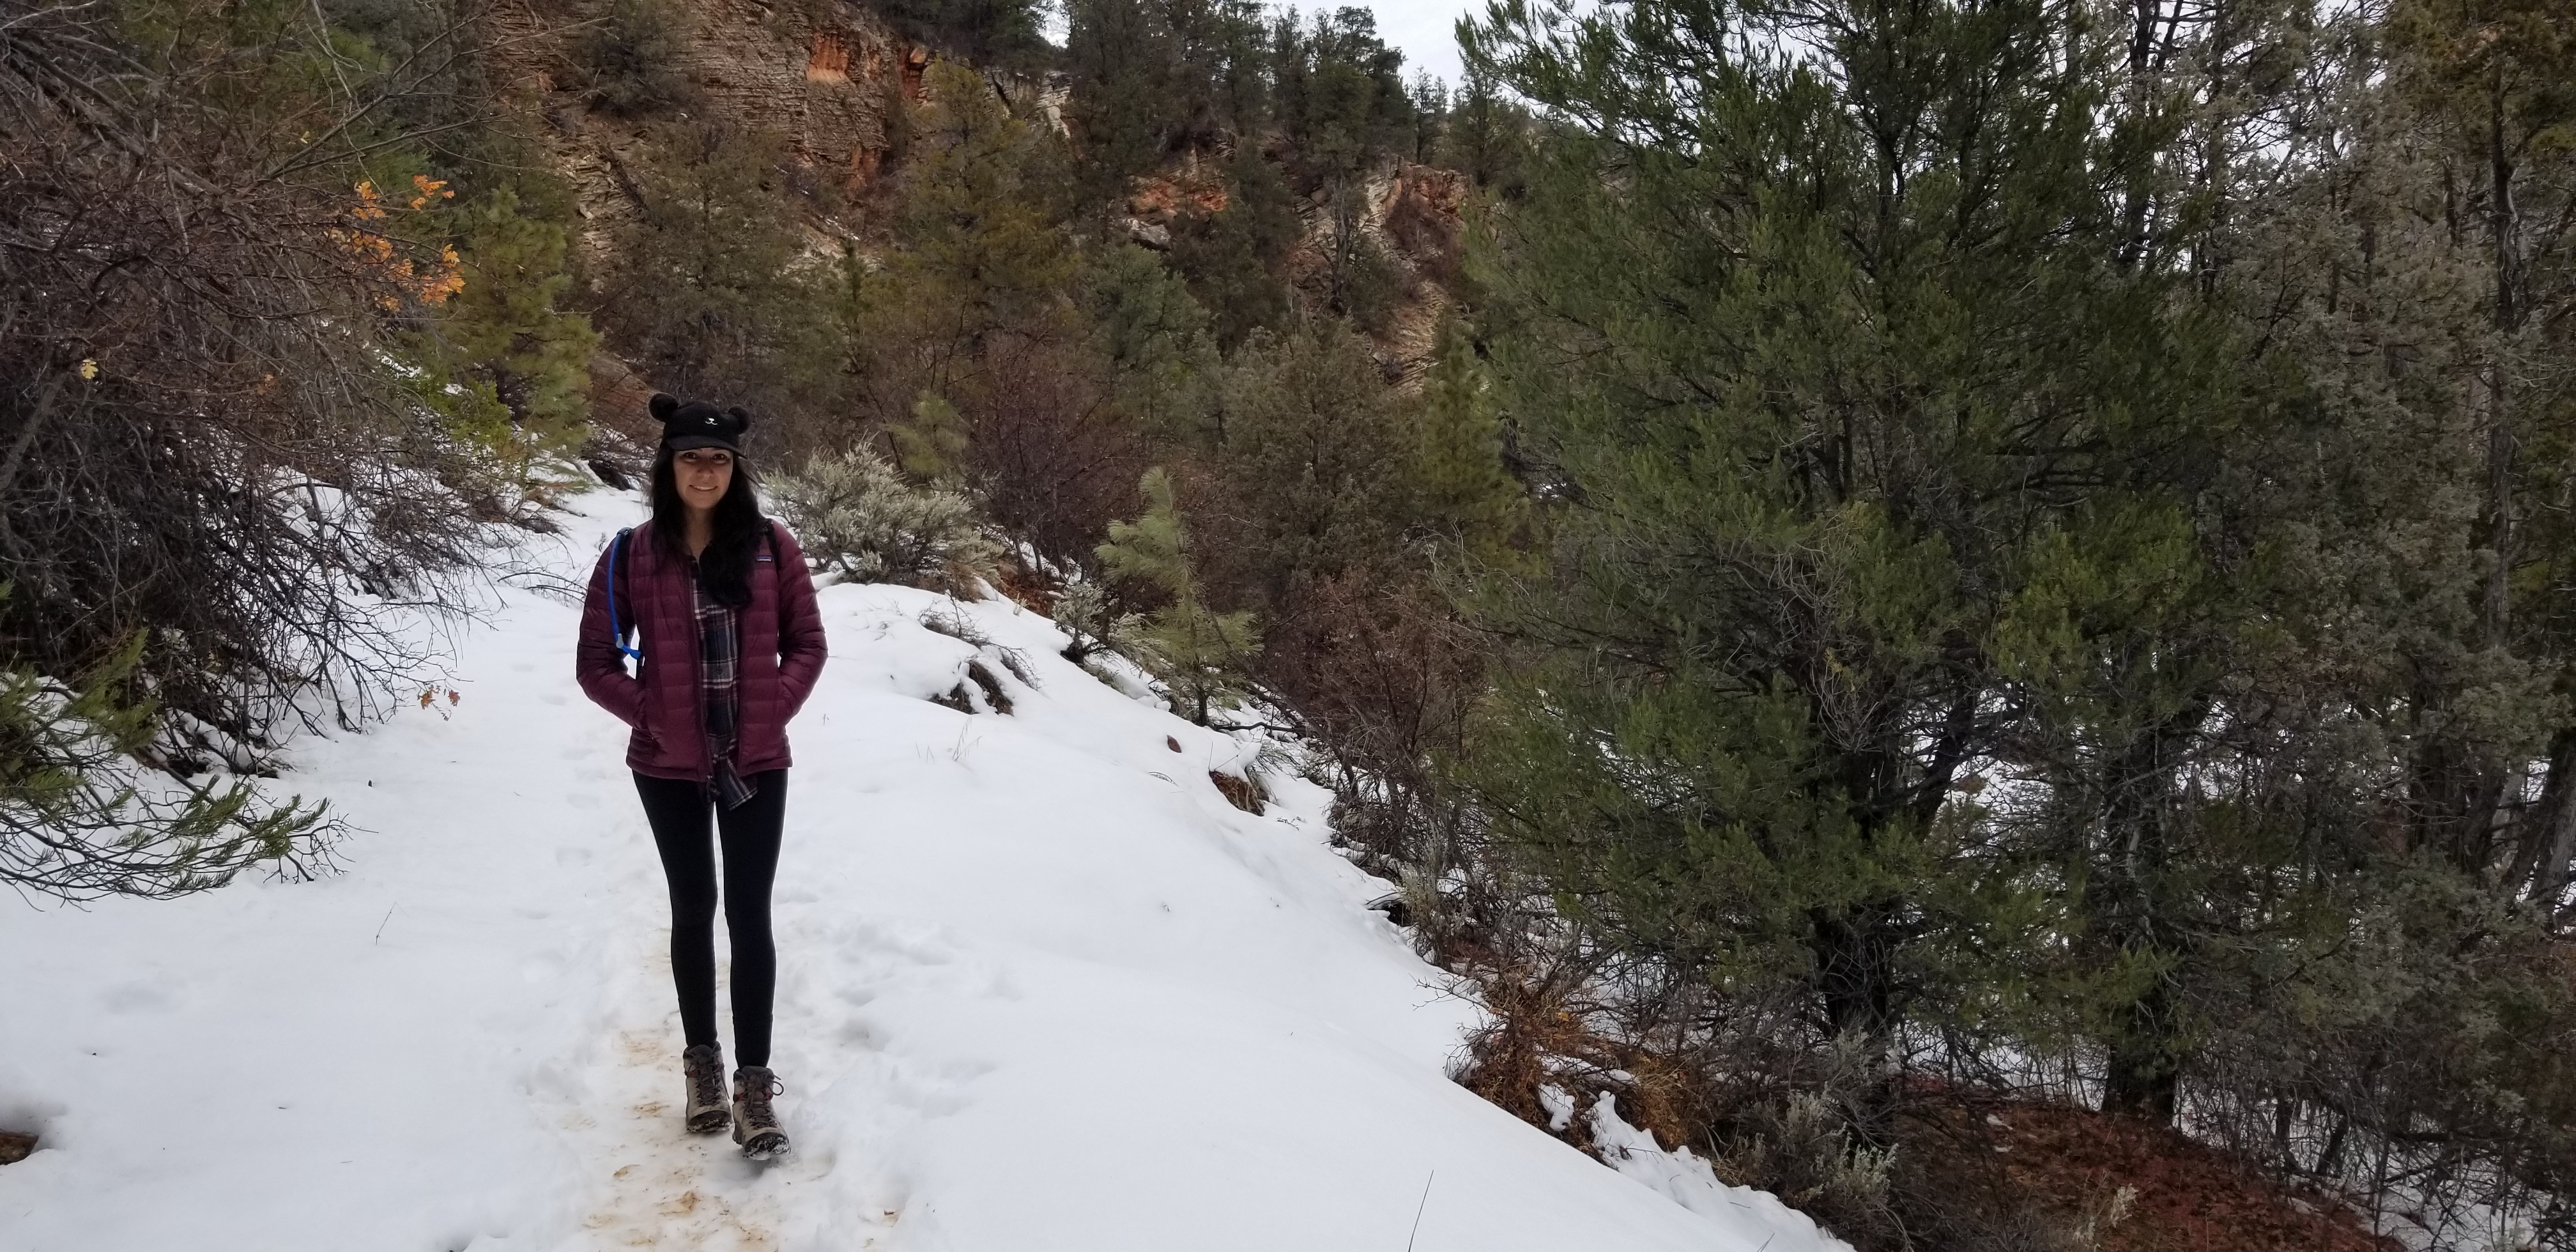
1422,28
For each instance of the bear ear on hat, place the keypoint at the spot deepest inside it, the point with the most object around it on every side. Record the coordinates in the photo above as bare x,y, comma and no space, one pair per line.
663,406
740,416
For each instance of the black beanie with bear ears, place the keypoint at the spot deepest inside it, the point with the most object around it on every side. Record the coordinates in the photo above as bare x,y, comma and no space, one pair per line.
698,424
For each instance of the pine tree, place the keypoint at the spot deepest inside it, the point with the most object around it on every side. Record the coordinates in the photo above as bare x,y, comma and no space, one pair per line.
1232,257
1003,33
1485,134
932,446
1430,117
1808,440
706,284
629,61
1317,465
82,818
1464,490
1121,69
979,251
1153,337
1341,95
1199,652
508,329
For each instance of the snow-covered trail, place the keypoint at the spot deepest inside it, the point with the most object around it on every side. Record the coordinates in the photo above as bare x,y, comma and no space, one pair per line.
1041,987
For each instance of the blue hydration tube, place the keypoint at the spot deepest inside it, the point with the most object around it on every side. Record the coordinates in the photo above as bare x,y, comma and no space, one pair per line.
617,635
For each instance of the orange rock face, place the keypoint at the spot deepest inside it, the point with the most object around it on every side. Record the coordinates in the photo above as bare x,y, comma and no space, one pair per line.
916,63
829,62
1157,198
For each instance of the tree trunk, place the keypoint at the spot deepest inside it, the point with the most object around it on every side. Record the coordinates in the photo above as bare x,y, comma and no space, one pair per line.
1855,957
2482,792
2540,860
2144,1077
2146,1047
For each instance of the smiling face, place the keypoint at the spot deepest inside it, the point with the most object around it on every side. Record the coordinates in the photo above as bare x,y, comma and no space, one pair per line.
703,476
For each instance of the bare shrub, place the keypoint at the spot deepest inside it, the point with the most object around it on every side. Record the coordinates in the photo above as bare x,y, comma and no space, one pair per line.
200,436
1424,224
1382,678
1242,792
948,620
1096,622
219,495
1052,458
979,682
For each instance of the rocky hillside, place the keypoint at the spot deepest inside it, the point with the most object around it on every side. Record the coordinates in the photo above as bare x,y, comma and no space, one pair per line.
838,84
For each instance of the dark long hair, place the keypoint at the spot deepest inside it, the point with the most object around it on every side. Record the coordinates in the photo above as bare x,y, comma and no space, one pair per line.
725,566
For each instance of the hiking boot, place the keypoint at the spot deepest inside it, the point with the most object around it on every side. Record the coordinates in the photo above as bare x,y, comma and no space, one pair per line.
704,1065
755,1123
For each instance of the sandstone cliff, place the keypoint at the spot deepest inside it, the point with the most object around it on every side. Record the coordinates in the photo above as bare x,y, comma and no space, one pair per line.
833,79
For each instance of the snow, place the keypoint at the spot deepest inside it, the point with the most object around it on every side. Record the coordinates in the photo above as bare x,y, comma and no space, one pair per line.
1753,1217
1041,987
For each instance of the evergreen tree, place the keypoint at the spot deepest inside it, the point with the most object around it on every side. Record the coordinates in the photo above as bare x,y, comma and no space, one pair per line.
1232,257
1485,134
1152,78
507,329
705,284
978,246
1199,652
1316,464
1122,68
1006,34
1465,492
2488,84
1340,91
1430,117
978,257
1810,439
932,446
81,818
629,62
1226,69
1154,339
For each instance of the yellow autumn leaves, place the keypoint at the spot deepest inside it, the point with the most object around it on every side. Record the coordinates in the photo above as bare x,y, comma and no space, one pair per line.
431,284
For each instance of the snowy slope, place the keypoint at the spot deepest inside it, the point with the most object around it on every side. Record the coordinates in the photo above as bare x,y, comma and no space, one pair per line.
1040,988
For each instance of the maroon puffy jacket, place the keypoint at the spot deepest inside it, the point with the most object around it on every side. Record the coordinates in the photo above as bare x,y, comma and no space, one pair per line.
782,655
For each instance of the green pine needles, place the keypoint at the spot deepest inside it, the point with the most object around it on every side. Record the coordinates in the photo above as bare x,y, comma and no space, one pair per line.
82,818
1829,373
1198,652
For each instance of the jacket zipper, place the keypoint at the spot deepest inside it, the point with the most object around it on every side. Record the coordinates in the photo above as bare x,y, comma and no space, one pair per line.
698,677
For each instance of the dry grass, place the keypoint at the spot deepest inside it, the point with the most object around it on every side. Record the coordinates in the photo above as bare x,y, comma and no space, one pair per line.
1541,1034
1242,793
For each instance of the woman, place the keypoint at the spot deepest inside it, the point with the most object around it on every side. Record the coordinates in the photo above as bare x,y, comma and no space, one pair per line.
729,644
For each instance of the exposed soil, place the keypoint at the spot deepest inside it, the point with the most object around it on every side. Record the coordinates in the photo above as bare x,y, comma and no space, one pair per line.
2184,1196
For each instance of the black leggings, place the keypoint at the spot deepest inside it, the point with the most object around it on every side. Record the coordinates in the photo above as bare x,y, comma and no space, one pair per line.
678,810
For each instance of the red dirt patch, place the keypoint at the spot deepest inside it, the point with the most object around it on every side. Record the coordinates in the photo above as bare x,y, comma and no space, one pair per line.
2188,1196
